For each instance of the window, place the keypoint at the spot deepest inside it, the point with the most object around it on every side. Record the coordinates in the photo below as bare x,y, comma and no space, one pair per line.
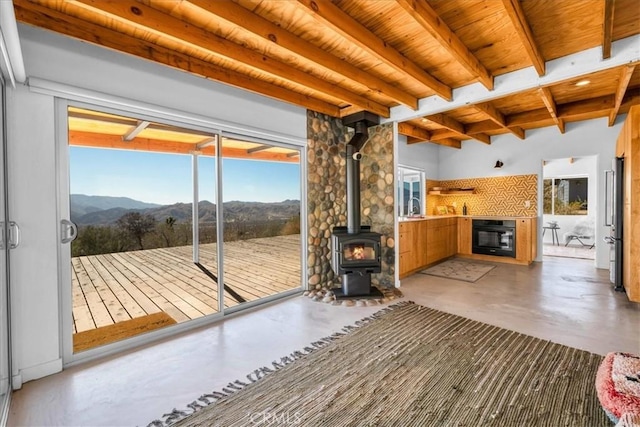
410,191
566,196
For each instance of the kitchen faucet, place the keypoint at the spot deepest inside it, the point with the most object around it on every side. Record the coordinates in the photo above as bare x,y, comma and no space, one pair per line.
412,207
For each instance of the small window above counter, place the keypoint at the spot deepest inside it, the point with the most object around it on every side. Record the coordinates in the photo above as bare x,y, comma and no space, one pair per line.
438,191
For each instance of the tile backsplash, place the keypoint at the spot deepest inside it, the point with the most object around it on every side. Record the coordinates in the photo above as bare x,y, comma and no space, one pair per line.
503,195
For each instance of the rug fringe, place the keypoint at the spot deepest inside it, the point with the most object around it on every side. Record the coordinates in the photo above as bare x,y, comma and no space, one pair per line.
237,385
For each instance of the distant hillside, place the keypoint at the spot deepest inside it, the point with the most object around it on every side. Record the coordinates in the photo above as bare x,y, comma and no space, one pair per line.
234,211
82,204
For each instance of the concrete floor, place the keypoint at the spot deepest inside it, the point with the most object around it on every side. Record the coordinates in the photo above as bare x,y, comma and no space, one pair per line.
565,300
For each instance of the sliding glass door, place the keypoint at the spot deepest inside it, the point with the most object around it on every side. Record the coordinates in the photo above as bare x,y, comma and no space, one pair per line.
134,266
261,218
164,223
5,365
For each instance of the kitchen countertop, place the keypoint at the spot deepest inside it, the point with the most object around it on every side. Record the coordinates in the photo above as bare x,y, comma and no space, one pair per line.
429,217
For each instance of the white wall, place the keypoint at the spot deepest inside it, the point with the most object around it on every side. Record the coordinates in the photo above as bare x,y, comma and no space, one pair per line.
421,156
587,138
580,166
33,170
64,60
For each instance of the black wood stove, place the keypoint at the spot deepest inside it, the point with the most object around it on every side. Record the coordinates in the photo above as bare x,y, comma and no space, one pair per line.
356,250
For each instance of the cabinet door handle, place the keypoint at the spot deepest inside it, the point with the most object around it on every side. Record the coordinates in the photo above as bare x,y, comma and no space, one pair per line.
14,235
68,230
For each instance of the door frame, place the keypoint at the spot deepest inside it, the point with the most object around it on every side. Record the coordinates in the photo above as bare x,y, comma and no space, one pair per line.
6,333
163,115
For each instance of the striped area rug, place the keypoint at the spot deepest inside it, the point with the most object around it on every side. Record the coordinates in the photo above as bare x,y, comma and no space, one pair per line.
412,366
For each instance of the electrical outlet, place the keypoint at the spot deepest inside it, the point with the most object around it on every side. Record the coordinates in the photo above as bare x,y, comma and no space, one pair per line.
527,204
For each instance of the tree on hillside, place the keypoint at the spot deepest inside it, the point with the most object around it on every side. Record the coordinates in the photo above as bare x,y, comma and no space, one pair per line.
167,231
95,240
137,225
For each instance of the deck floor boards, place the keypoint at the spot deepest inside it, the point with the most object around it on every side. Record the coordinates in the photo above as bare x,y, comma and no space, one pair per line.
111,288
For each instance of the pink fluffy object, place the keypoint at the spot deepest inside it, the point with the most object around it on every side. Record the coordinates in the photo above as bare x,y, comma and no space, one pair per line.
618,387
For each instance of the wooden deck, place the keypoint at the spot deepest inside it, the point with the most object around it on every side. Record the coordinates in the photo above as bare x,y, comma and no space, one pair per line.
116,287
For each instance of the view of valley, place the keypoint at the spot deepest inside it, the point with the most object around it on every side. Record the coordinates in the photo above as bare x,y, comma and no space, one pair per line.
117,224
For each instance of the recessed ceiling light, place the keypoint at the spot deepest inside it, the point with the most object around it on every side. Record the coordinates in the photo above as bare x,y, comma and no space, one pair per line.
583,82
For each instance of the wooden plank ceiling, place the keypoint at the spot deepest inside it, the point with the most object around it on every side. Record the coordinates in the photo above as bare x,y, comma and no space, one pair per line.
344,56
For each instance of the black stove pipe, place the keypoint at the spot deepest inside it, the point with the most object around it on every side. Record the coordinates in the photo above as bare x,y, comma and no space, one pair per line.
353,176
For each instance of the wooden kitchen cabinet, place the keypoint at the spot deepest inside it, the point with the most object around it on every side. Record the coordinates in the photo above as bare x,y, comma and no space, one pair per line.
526,239
442,240
405,247
412,241
465,238
421,244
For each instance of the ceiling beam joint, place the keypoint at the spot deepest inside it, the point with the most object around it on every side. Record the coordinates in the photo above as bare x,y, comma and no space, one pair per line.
623,83
142,125
457,127
547,98
497,117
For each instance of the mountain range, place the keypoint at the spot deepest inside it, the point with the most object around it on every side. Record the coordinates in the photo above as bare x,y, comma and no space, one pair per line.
104,210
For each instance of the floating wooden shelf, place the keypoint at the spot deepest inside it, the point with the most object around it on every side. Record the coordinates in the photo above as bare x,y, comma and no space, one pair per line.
452,191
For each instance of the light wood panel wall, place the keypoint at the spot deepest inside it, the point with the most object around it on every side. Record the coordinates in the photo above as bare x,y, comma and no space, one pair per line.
628,146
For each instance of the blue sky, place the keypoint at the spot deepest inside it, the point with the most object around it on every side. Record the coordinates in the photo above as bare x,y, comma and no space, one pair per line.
166,178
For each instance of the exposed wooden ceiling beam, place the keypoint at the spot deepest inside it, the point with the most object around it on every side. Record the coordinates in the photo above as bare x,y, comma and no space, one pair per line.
97,140
160,23
558,70
587,106
450,142
596,107
447,142
519,20
206,143
258,149
142,125
547,98
55,21
333,17
275,34
457,127
414,131
607,28
623,83
443,134
601,105
427,17
481,127
497,117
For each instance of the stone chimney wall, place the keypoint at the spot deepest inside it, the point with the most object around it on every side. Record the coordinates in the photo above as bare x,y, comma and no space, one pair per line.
326,194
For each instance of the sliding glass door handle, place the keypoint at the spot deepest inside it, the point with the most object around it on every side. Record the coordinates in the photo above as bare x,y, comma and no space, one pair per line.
68,231
14,235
